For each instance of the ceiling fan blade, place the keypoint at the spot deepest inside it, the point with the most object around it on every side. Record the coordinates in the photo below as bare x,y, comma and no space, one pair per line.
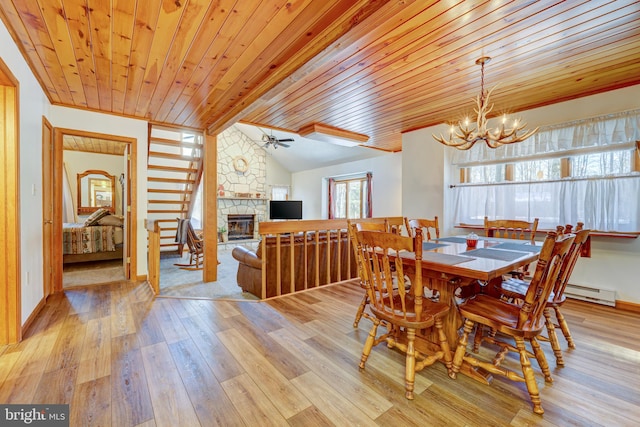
284,145
286,140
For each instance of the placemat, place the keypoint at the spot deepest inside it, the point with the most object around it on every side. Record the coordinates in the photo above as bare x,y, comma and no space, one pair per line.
427,246
445,258
494,254
453,239
524,247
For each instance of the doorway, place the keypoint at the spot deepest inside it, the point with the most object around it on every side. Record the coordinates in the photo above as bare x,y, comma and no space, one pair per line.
91,142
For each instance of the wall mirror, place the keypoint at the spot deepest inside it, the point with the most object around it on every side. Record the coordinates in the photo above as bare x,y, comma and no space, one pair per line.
96,189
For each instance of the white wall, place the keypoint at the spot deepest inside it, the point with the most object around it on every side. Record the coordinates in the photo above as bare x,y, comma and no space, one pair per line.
614,261
33,104
311,186
276,175
89,121
423,168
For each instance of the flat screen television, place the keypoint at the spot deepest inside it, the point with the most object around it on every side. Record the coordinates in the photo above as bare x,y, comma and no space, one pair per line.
285,209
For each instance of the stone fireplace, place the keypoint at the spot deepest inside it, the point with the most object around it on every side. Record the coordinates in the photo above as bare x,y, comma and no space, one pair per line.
241,191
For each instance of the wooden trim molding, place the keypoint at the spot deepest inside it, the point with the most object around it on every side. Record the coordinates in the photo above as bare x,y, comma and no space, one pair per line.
47,207
34,313
10,264
628,306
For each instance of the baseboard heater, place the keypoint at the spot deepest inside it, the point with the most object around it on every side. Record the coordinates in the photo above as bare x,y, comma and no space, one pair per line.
585,293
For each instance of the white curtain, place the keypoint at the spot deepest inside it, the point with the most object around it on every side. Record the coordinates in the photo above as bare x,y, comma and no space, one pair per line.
605,204
68,205
600,192
608,131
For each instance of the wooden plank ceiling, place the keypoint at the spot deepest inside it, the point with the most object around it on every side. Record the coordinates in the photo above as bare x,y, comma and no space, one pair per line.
93,145
377,68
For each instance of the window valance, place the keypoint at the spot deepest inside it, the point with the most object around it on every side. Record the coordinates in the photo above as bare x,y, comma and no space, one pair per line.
604,131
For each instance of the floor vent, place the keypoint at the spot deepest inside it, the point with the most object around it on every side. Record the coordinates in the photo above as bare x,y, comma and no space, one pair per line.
585,293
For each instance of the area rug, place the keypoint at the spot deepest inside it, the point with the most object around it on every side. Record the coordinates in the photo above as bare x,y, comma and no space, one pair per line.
179,283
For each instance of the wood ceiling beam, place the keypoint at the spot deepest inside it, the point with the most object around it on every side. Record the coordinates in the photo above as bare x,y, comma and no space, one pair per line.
342,25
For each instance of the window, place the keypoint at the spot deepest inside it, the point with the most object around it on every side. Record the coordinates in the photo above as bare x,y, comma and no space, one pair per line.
196,214
481,174
536,170
279,192
578,172
350,198
602,164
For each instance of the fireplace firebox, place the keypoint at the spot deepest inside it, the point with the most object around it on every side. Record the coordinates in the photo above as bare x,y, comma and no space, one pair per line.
240,227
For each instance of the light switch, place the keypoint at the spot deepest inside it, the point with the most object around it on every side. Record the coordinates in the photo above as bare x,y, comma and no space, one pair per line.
33,189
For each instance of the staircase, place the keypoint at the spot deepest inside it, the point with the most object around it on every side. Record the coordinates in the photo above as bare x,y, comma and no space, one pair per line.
174,172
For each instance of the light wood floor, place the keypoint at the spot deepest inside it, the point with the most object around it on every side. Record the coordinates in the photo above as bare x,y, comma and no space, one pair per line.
120,358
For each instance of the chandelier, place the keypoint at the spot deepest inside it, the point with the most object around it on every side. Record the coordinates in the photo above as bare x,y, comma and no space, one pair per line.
463,137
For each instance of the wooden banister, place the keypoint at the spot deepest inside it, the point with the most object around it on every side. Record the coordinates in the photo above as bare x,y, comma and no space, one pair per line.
153,251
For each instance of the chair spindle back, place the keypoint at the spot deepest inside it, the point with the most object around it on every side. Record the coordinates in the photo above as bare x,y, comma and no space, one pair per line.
510,229
426,224
569,263
548,268
385,274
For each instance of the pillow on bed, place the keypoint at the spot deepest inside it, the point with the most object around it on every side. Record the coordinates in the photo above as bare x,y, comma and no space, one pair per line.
118,221
95,217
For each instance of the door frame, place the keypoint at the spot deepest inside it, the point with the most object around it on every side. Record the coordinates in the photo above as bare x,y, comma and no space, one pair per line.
131,246
47,206
10,262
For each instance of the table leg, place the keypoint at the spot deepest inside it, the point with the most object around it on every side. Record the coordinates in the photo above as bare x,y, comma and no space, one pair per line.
452,323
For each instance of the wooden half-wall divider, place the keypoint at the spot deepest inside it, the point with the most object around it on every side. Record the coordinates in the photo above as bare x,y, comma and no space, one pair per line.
311,233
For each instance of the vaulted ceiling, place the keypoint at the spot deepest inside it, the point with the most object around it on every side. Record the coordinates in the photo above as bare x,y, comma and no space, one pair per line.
377,68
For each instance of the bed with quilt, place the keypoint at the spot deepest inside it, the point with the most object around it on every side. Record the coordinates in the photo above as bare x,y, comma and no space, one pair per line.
98,238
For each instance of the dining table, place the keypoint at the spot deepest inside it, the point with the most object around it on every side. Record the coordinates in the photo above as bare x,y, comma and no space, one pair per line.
450,267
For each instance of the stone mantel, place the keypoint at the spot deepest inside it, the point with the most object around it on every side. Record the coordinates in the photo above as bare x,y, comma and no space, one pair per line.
262,199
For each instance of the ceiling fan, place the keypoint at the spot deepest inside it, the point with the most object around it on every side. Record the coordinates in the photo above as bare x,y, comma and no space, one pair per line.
271,140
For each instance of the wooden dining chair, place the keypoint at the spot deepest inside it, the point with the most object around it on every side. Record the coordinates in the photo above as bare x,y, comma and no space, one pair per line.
519,322
510,228
353,227
402,308
514,290
427,226
371,226
395,224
